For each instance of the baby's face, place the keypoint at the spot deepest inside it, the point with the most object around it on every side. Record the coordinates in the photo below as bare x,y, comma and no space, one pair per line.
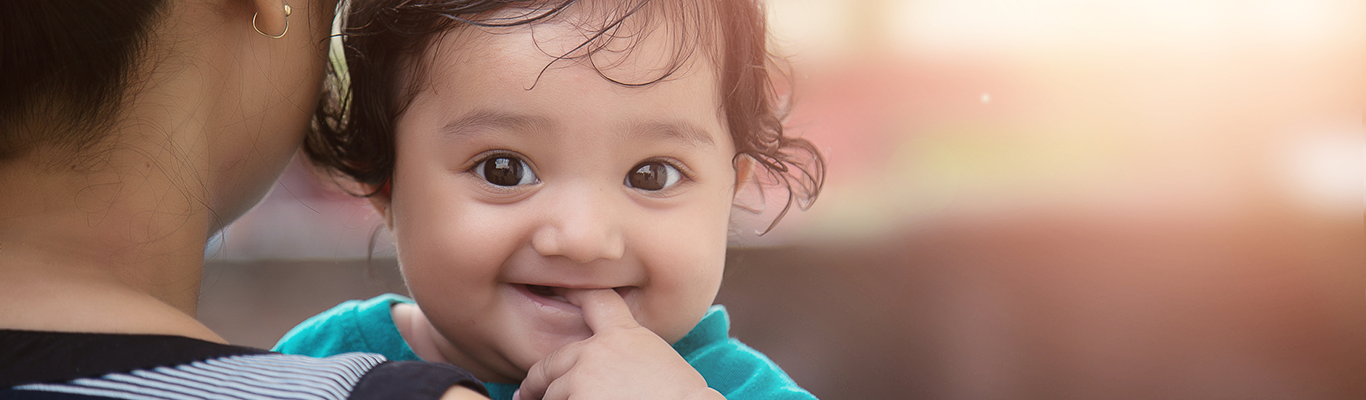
504,197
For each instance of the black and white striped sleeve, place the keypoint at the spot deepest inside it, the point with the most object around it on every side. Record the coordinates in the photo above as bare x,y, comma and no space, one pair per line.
259,376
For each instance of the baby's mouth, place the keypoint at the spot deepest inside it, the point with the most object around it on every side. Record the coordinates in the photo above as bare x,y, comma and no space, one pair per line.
549,292
556,293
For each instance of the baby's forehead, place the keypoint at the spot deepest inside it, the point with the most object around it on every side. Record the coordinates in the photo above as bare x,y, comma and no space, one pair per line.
628,43
628,76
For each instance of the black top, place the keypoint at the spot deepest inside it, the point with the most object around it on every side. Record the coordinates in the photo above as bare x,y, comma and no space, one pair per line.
64,365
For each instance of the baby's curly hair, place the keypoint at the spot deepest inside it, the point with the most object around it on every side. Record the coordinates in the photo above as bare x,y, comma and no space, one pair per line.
353,134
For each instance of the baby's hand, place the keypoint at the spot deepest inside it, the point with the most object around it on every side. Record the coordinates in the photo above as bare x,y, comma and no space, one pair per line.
622,360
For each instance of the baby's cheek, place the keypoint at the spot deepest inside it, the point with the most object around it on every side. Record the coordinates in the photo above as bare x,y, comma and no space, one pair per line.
676,325
673,317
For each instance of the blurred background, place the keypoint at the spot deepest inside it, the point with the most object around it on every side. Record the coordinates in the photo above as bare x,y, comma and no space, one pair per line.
1032,199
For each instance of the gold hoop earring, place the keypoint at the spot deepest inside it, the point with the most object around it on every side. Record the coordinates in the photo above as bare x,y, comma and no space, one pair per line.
282,34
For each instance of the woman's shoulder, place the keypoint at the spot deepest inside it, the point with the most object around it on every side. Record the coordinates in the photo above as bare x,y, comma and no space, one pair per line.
94,365
251,376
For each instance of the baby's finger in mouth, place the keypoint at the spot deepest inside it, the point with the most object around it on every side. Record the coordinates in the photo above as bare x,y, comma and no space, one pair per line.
602,309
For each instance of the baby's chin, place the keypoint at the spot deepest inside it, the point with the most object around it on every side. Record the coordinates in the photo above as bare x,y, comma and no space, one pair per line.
538,346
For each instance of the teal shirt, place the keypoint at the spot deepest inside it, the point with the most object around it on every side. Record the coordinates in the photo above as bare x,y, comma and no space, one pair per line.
732,368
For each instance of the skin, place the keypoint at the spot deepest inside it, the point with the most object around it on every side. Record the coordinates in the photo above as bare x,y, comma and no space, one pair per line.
632,270
111,240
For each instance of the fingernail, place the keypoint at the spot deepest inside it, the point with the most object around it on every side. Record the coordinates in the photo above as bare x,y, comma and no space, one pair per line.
517,394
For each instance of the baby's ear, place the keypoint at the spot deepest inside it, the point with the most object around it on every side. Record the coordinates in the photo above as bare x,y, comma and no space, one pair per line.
379,199
748,194
744,171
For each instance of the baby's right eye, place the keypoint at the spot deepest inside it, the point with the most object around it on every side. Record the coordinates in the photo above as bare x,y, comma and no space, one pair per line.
505,170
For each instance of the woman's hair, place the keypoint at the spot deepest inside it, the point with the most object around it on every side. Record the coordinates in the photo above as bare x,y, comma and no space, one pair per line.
64,65
382,41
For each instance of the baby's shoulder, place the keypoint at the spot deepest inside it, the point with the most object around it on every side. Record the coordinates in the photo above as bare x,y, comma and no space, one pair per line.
733,368
343,328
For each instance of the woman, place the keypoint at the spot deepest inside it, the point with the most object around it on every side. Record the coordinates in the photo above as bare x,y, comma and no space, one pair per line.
130,132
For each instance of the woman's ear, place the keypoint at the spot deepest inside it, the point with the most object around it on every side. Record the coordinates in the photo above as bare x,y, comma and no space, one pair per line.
270,17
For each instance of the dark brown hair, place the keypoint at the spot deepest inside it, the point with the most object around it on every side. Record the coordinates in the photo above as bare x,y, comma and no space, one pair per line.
381,39
64,65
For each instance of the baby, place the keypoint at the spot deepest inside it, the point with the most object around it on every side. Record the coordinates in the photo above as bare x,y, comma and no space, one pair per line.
559,178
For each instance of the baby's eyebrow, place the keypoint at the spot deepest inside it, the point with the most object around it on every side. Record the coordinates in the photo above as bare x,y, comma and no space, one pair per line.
466,125
680,131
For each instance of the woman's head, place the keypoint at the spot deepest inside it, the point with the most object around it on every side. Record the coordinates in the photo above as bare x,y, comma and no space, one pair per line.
65,65
132,130
184,85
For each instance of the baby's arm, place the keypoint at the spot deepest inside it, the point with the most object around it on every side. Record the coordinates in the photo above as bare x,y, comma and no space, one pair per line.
622,360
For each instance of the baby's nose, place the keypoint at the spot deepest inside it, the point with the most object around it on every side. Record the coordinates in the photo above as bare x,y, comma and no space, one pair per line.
582,225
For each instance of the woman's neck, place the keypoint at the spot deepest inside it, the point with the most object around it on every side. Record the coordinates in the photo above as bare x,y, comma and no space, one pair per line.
109,247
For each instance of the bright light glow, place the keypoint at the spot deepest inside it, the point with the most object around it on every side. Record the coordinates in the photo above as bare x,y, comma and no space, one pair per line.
975,25
1327,171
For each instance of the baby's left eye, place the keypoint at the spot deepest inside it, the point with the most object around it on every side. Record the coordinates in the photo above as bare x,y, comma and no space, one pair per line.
653,176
